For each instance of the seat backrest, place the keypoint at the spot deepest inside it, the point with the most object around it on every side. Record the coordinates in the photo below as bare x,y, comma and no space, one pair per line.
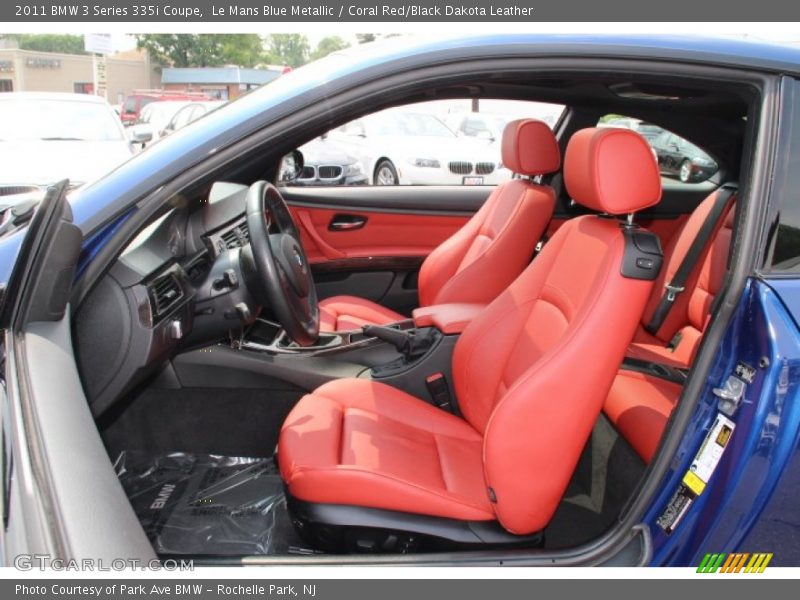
481,259
532,371
691,308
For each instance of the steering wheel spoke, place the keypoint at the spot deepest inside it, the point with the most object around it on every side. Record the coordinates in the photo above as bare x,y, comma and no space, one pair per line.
284,275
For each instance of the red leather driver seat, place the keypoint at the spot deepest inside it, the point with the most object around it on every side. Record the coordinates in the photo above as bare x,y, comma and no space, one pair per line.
482,258
531,373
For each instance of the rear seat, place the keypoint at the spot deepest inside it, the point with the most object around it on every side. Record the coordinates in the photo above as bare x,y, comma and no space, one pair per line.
639,404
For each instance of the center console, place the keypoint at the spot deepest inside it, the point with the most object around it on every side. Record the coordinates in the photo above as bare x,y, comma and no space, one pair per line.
412,355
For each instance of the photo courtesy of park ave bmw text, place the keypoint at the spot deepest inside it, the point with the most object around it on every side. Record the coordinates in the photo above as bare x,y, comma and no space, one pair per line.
393,300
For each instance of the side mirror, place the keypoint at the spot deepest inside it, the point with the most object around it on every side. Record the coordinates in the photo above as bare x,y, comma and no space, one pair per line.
291,167
141,133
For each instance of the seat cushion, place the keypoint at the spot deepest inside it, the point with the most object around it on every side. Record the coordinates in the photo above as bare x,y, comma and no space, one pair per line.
646,346
363,443
344,313
639,405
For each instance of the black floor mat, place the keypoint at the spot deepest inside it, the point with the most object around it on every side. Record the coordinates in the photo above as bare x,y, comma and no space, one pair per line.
206,505
605,479
231,422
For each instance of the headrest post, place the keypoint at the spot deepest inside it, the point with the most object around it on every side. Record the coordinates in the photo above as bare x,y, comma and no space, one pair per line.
629,219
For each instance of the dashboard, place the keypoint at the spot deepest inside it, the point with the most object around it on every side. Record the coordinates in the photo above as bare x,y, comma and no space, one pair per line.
179,283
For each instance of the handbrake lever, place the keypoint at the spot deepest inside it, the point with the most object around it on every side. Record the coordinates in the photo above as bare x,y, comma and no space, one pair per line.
411,343
400,339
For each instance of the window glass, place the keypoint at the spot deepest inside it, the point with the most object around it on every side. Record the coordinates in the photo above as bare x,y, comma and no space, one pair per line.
444,142
785,249
678,158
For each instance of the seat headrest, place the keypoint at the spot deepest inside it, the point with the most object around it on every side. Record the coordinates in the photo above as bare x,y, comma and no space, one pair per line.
611,170
530,148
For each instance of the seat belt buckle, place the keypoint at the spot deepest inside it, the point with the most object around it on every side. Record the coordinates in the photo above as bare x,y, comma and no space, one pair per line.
673,291
439,390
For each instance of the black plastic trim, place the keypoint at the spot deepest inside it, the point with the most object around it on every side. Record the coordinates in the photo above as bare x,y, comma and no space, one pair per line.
405,199
461,532
659,370
643,256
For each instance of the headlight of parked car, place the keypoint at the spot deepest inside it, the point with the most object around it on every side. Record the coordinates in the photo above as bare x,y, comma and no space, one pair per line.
431,163
353,169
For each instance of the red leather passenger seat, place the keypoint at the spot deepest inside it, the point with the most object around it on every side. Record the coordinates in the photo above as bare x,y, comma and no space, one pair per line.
640,404
529,375
482,258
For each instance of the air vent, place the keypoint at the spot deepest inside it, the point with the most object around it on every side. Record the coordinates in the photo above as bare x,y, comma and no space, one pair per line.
164,293
231,239
236,237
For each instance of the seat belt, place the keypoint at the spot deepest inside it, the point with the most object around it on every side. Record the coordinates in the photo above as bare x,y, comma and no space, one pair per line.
678,283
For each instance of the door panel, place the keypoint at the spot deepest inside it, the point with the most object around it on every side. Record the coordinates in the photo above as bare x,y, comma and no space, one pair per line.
381,235
371,241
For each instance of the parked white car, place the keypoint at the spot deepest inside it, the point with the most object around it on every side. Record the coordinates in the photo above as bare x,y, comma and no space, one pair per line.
152,122
47,137
416,148
189,113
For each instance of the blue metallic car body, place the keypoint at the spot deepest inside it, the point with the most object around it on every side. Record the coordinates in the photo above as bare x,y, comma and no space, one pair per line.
762,448
732,512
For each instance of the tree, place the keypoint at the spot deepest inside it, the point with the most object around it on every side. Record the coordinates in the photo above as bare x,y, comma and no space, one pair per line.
327,45
287,49
365,38
49,42
244,50
202,50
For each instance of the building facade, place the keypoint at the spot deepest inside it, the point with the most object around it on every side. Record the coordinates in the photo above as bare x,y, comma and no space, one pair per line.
31,71
220,83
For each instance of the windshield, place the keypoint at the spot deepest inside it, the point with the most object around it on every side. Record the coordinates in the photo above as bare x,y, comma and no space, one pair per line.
412,124
32,120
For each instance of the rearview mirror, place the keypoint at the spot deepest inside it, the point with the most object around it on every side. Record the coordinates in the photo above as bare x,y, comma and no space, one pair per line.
291,167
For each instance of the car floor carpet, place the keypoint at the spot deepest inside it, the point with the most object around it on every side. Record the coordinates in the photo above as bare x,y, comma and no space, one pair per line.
207,505
605,479
223,421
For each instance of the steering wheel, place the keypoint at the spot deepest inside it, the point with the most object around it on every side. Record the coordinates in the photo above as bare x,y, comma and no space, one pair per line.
283,276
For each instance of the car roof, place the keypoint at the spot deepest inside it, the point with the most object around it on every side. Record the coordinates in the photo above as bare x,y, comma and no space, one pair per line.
704,49
57,96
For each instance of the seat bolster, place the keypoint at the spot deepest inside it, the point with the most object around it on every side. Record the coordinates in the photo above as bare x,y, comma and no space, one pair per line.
346,313
500,249
391,403
354,486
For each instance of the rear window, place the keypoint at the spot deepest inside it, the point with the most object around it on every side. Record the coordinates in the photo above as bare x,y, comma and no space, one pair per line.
678,158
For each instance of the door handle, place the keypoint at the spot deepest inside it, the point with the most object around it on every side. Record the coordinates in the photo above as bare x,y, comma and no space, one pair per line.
346,223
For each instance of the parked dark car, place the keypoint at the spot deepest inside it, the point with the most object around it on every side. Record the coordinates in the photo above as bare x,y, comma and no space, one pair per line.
679,157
